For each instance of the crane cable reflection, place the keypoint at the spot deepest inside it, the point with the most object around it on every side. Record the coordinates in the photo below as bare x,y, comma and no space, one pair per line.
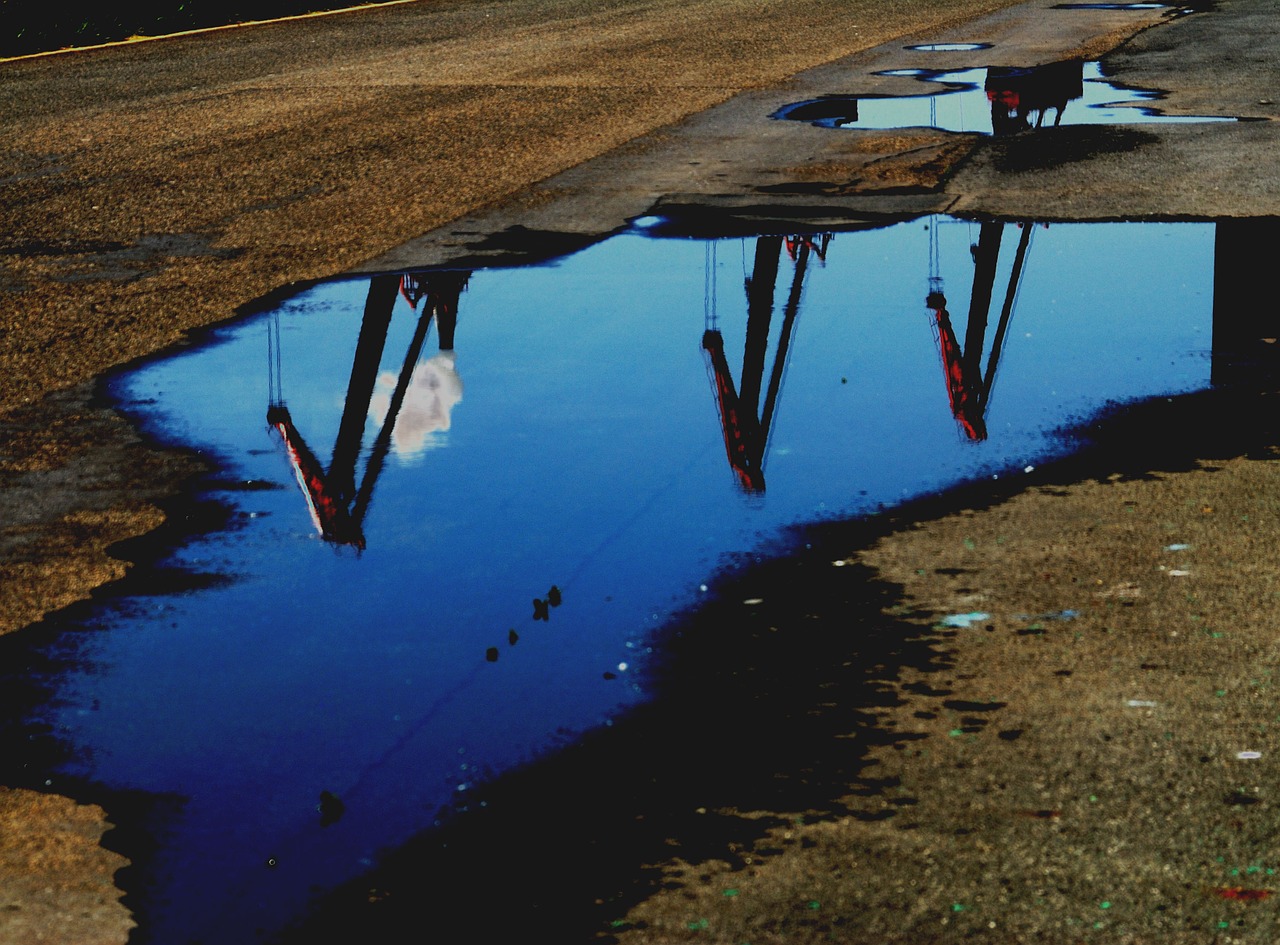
336,503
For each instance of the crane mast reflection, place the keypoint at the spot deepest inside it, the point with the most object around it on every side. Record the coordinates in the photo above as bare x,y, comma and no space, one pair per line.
338,503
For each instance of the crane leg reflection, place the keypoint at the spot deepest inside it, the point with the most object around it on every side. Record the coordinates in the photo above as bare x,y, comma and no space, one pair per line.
337,503
745,422
968,385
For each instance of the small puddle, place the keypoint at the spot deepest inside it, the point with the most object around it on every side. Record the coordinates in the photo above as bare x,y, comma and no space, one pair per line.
465,504
1110,6
1172,10
994,100
948,47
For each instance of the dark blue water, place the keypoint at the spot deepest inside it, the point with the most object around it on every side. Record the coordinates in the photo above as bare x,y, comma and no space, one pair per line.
576,434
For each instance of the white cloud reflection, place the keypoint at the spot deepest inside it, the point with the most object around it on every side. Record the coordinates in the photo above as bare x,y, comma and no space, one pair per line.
434,390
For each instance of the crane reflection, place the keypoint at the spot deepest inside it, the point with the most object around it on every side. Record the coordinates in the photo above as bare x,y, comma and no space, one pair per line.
406,406
746,422
969,385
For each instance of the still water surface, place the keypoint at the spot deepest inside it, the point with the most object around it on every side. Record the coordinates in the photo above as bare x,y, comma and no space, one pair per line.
999,101
619,424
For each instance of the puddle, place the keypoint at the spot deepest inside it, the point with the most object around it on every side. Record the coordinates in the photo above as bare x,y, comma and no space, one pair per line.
948,47
1172,10
1110,6
464,503
994,100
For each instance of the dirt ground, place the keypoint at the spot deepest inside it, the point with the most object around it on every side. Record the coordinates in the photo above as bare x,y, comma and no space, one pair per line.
1031,776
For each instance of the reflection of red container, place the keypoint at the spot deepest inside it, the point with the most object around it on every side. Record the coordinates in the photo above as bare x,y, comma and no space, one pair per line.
1020,98
1006,97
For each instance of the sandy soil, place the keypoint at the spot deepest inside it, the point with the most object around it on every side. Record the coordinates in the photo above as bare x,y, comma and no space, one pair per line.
57,884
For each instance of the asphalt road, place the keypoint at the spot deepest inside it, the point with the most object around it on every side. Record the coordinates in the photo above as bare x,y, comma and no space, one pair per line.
153,187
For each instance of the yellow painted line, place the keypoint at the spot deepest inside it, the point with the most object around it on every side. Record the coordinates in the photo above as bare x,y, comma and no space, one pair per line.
205,29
